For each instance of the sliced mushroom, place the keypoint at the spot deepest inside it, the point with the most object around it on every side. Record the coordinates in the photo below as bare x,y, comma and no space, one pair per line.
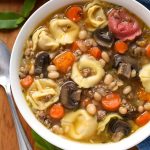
137,51
103,37
102,124
79,125
87,62
64,31
119,129
41,63
125,64
70,95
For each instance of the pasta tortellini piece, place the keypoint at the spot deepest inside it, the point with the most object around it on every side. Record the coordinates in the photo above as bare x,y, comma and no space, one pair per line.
95,16
87,62
102,124
79,125
43,93
64,31
145,77
43,39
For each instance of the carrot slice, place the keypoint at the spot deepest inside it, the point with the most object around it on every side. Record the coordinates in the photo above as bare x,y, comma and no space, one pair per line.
57,111
64,61
74,13
111,102
27,81
95,52
121,47
75,46
143,119
148,50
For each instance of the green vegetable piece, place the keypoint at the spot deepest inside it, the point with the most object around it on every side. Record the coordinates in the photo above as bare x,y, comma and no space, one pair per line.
10,20
27,7
43,144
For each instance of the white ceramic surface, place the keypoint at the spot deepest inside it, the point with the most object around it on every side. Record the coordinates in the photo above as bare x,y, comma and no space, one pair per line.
63,143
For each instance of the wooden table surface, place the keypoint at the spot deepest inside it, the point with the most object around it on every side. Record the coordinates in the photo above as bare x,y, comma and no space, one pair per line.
8,139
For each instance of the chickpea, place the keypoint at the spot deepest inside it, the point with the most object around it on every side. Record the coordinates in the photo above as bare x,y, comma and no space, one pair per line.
122,110
91,109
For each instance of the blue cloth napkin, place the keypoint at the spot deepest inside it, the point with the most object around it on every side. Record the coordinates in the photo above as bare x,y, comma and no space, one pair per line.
145,145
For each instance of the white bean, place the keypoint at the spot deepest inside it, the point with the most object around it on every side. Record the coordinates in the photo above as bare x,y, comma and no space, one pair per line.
51,68
147,106
53,75
108,79
103,63
83,34
140,109
127,90
133,73
97,96
91,109
115,88
122,110
105,56
112,85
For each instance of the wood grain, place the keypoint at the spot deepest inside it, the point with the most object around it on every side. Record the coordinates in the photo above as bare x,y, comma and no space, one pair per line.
8,139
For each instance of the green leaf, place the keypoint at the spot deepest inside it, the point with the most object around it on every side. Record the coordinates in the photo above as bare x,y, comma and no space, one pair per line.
27,7
10,20
43,144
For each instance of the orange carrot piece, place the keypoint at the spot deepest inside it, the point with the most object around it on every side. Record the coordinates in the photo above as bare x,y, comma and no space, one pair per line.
57,111
95,52
27,81
143,119
75,46
111,102
121,47
64,61
74,13
148,50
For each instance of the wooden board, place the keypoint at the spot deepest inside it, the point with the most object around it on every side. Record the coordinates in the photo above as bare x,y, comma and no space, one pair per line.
8,139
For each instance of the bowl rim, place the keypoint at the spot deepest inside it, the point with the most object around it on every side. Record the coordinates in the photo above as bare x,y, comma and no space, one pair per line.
26,112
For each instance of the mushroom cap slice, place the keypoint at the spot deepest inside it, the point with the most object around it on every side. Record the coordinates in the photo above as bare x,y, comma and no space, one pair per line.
42,93
144,75
79,125
64,31
87,62
95,16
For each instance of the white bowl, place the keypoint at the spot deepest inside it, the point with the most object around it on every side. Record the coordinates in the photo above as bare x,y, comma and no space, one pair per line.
23,35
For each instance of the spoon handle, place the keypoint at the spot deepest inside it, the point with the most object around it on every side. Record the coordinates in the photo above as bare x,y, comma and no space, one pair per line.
22,139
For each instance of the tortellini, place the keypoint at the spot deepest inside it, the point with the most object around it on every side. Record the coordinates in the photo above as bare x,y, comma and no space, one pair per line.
145,77
95,16
87,62
79,125
43,39
64,31
43,93
102,124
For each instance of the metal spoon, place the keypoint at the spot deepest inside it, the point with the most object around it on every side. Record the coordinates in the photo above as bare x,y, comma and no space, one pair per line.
5,82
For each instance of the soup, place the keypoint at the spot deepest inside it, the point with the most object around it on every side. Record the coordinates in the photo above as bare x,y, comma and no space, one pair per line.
85,72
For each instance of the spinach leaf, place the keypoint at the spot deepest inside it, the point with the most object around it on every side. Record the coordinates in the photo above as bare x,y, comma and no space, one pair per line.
27,7
43,144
